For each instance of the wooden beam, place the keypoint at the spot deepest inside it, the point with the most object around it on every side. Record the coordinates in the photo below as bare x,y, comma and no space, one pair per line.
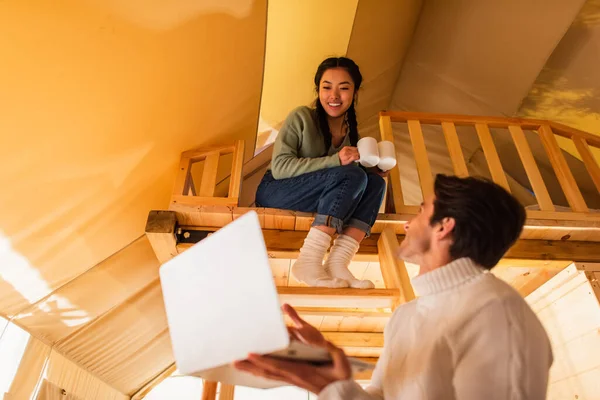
209,175
235,184
589,160
343,312
385,128
393,268
455,150
588,267
209,391
562,170
491,155
226,392
160,230
336,298
421,158
355,339
287,243
533,172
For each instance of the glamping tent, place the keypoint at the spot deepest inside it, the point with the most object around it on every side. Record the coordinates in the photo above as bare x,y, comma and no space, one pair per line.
128,128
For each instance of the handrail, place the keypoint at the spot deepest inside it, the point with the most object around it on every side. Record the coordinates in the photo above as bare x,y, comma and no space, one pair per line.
547,131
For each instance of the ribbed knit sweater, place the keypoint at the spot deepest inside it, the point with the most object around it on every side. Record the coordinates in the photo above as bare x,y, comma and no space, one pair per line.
468,336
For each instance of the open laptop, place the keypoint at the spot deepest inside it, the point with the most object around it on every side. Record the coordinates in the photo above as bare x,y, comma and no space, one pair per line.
221,304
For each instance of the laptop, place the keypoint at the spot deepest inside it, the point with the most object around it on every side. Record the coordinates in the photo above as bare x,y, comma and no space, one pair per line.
221,304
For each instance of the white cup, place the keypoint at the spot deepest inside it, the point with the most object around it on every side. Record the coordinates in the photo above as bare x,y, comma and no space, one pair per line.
368,151
387,155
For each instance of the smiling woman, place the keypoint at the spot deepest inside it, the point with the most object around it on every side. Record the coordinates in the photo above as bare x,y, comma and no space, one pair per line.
314,169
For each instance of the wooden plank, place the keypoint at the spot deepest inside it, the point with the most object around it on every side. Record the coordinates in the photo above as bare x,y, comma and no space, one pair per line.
385,128
561,169
239,211
354,339
393,268
421,158
279,219
454,149
183,177
258,161
209,175
198,154
196,201
343,312
456,119
303,221
227,392
160,230
209,391
337,298
588,266
589,160
531,168
235,184
570,133
491,155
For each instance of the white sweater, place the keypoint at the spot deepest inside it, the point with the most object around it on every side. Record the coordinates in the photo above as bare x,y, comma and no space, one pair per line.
468,336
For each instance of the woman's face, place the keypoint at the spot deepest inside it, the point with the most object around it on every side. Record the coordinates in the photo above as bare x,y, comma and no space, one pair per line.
336,91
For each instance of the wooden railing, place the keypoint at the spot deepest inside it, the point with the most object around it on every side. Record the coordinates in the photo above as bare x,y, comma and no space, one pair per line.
547,132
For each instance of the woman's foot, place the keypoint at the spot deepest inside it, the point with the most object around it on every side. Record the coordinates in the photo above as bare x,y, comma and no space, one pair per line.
309,268
341,254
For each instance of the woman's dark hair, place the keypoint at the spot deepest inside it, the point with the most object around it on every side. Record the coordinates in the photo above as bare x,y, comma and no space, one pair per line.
487,219
354,72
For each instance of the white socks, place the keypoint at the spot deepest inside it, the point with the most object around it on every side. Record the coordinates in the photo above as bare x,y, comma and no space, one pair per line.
343,250
309,268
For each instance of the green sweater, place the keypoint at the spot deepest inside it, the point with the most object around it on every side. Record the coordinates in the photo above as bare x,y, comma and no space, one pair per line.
299,147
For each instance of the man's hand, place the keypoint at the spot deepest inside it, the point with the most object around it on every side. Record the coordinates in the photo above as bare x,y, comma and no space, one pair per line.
304,375
348,154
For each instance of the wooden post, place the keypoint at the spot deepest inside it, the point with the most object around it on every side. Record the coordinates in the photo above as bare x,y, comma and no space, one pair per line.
385,127
226,392
160,230
421,159
531,168
393,269
588,159
209,391
491,155
456,154
561,168
235,184
209,175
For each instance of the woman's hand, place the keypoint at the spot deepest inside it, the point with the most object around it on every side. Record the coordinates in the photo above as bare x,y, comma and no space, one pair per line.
348,154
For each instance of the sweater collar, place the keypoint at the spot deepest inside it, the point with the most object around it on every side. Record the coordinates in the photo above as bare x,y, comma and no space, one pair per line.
447,277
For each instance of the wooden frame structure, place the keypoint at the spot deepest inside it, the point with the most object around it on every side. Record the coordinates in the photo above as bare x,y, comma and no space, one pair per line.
551,240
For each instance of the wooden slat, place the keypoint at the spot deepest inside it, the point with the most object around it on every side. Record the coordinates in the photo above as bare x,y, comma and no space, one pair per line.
570,133
421,159
183,177
209,175
393,268
531,168
198,154
258,161
235,184
589,160
343,312
209,391
140,394
385,128
562,171
337,298
457,119
456,154
491,155
160,230
227,392
354,339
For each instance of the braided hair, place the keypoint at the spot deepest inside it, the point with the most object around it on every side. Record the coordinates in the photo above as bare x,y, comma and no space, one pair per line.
354,72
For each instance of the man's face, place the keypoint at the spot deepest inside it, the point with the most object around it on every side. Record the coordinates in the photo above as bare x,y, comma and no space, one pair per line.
419,234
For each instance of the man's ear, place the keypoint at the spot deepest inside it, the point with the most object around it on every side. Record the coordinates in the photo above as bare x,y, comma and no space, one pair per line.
445,228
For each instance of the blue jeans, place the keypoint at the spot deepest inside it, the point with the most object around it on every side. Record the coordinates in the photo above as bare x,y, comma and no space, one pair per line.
341,196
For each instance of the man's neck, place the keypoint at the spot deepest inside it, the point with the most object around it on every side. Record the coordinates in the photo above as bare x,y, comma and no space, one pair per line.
432,262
